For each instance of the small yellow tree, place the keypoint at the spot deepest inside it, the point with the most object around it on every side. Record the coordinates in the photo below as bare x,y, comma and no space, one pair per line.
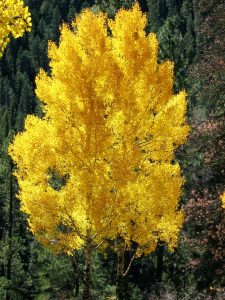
14,19
100,163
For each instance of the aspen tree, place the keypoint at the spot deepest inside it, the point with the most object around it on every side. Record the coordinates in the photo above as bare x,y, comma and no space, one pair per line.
14,20
100,163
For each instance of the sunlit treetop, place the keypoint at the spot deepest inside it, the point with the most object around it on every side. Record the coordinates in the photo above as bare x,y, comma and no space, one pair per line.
14,20
100,163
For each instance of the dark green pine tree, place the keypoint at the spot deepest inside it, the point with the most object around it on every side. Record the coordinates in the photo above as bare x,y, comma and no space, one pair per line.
173,21
26,103
16,281
157,13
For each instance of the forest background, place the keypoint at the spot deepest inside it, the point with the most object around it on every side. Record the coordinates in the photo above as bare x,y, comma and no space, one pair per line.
191,33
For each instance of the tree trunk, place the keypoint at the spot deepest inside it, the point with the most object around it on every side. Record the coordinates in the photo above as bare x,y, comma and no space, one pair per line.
88,269
122,291
76,274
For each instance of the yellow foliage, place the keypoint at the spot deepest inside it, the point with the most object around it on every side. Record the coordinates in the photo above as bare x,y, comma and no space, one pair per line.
110,129
14,19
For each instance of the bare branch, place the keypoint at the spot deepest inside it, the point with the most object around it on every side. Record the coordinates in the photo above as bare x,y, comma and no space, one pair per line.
130,263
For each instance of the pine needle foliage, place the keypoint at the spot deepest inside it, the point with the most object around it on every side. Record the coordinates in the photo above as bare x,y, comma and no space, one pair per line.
100,163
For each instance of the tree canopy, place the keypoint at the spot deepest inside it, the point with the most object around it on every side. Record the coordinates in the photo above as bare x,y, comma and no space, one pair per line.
106,166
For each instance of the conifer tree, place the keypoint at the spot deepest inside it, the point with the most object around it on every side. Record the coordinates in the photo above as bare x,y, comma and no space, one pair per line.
106,144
